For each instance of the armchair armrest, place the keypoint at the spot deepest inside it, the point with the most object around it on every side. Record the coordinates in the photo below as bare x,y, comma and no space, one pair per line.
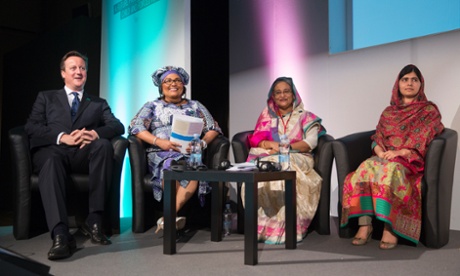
240,145
324,156
137,157
120,144
216,151
20,154
440,158
138,163
350,151
22,170
437,189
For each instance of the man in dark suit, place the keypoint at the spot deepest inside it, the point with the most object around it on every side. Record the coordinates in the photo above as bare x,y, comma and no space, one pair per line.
71,132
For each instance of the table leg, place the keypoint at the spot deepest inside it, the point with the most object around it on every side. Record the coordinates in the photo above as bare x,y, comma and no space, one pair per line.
169,213
240,208
216,211
291,214
250,224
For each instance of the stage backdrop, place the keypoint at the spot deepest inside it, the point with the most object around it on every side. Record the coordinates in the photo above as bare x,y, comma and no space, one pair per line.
138,37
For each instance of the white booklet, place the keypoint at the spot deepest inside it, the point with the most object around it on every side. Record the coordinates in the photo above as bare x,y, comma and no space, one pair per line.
183,128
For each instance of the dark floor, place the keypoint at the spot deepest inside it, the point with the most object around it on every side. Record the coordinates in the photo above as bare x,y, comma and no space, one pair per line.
142,254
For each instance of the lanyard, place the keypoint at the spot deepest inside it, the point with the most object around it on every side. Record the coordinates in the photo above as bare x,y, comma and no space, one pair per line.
282,120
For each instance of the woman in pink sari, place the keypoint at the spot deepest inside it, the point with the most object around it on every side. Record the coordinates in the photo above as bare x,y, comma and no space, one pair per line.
387,186
285,114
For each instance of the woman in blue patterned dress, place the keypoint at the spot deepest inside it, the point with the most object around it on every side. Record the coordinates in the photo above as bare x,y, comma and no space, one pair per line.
152,124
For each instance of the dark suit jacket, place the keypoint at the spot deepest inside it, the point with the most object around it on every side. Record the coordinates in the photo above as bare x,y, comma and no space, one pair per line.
51,115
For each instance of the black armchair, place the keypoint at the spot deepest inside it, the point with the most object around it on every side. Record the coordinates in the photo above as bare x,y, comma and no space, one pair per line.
437,181
323,166
144,205
29,218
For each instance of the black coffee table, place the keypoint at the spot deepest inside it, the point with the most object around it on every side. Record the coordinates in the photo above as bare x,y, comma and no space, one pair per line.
217,180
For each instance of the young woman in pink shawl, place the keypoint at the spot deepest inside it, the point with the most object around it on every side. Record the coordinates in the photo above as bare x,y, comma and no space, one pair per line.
285,114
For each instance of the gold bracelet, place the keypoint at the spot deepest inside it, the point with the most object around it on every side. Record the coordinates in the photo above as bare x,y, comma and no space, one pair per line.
155,141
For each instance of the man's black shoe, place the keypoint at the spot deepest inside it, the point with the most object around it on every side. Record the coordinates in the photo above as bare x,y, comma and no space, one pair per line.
62,247
95,233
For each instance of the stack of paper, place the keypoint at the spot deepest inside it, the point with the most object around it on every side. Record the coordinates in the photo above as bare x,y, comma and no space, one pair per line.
246,166
183,128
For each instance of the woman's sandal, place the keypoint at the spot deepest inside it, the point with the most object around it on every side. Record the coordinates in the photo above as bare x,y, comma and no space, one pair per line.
388,245
180,223
360,241
160,225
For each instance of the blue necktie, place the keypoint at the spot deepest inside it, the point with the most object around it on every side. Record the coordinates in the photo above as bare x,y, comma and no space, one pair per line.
75,104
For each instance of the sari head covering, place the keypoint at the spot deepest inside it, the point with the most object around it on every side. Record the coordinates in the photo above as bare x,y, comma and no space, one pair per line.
409,126
272,107
160,74
269,120
396,96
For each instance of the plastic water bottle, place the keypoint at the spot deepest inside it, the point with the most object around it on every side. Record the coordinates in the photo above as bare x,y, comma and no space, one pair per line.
195,152
284,153
228,220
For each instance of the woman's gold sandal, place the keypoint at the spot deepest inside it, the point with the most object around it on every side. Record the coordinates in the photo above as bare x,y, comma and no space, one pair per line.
360,241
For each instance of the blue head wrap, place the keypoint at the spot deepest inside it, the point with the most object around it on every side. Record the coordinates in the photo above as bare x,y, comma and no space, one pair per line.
159,75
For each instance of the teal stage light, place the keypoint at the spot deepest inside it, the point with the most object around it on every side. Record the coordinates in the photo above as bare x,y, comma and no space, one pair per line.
139,36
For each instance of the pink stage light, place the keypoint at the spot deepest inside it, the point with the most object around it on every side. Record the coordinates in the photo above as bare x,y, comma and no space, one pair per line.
282,35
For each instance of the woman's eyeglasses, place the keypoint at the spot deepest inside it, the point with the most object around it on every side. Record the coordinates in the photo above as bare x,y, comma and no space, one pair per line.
170,81
279,92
